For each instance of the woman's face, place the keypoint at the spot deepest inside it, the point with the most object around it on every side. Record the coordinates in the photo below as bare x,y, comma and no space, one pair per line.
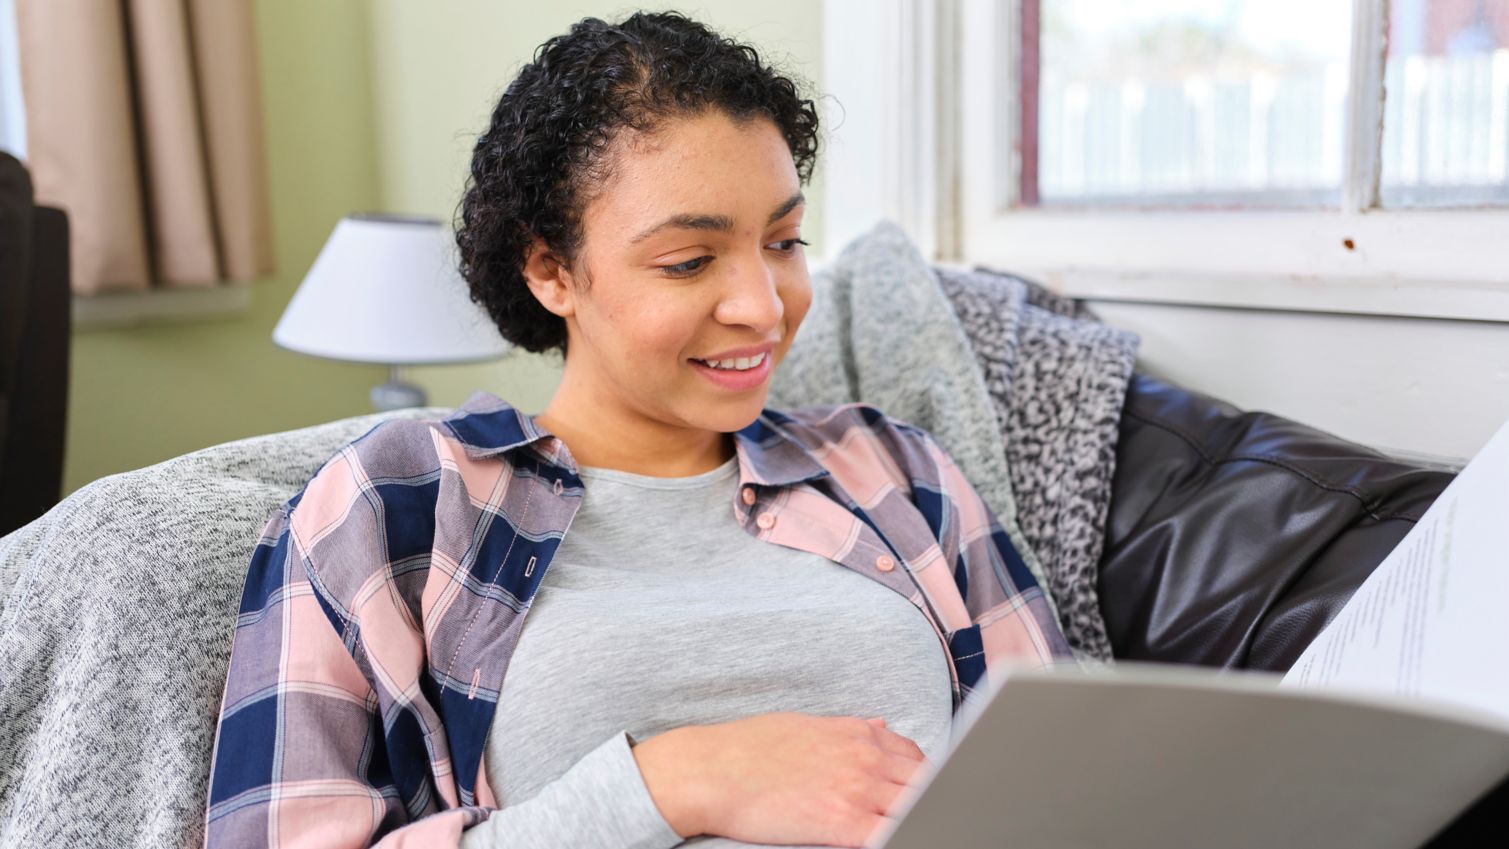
691,249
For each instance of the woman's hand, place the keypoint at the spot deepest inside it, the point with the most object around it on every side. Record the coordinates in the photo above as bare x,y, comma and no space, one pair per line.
781,778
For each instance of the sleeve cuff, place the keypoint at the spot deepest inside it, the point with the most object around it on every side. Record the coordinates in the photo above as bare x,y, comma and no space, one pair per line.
600,801
655,824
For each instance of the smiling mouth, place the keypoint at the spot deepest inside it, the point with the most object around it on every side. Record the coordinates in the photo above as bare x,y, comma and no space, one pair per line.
738,364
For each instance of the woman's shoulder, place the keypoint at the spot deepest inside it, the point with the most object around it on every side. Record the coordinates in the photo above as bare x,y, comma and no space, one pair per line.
378,494
388,448
837,423
410,447
857,434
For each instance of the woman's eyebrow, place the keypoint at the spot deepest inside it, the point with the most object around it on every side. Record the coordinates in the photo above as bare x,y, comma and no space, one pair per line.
791,203
720,223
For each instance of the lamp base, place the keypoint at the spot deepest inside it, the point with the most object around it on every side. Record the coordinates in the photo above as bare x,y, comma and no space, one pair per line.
395,395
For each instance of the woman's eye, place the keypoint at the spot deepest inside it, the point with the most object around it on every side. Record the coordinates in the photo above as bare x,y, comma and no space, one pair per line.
686,269
695,266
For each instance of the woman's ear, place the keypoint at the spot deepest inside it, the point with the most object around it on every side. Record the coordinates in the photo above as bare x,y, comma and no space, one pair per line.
549,279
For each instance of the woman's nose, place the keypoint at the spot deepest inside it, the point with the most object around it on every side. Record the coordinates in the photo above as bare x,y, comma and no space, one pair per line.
753,298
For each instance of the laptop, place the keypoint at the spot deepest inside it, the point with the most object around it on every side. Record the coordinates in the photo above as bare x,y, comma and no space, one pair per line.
1150,755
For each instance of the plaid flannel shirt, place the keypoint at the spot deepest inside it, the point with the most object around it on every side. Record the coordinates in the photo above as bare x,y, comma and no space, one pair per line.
383,601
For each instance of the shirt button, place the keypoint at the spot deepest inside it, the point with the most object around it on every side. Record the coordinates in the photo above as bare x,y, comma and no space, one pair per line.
749,495
559,487
884,563
766,521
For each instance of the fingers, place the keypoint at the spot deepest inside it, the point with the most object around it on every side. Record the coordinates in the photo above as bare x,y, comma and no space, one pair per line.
880,794
899,768
893,742
873,834
863,828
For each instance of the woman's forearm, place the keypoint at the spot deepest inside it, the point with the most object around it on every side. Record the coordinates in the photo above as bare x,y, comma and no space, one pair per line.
600,801
778,778
664,762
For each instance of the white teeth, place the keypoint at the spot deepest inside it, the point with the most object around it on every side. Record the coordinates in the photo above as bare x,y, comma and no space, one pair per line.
739,364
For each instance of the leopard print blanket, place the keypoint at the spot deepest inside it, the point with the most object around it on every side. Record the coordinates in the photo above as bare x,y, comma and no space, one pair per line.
1057,377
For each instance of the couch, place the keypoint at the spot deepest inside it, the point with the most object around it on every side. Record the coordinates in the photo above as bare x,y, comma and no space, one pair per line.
1232,537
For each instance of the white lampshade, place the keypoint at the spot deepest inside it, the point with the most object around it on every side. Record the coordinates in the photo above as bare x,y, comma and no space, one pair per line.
387,290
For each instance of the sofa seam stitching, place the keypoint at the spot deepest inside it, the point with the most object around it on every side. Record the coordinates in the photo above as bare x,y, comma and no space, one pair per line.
1314,479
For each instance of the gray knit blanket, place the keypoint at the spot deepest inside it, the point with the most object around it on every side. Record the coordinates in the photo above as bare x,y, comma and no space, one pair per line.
117,607
1023,388
115,636
881,331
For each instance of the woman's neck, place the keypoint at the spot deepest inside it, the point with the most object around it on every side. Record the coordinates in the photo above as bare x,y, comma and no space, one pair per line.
623,440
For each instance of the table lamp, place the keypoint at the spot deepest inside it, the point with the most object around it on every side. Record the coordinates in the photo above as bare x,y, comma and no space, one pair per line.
386,289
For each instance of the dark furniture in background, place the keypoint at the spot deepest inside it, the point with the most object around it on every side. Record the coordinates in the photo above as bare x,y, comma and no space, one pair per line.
34,339
1233,537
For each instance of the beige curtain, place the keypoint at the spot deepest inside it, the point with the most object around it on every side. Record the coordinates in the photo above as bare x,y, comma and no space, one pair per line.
143,122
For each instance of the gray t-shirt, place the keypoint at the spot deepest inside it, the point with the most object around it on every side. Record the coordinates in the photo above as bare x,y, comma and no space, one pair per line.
660,611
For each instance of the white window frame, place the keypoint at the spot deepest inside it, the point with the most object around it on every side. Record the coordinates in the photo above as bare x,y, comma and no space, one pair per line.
931,86
890,149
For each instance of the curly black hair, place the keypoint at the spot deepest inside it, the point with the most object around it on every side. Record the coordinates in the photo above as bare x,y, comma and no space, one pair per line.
544,151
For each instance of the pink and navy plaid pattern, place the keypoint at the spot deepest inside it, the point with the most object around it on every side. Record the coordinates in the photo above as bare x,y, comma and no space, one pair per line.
383,602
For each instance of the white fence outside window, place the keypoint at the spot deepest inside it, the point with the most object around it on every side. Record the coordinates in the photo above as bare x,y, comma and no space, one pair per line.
1276,139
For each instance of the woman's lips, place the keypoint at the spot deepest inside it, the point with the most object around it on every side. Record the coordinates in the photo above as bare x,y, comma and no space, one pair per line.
734,379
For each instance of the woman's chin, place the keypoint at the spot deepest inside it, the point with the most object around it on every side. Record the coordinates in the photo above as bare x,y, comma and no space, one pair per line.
728,415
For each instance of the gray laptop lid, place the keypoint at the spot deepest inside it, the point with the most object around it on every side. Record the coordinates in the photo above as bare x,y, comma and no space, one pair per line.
1159,756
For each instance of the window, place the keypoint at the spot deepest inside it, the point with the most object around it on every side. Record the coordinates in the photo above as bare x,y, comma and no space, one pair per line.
1184,102
1446,115
1282,193
1236,153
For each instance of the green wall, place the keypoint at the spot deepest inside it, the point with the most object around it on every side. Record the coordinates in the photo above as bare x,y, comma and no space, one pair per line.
368,106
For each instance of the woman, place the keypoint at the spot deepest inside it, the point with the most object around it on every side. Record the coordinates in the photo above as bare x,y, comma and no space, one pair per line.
636,203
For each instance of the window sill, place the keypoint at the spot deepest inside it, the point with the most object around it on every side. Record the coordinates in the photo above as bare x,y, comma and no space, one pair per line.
1466,301
1436,264
130,309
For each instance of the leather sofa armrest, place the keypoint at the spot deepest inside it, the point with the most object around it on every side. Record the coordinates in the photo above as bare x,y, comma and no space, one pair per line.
1233,537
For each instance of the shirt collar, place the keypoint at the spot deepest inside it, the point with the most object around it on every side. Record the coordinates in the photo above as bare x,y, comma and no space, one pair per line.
486,426
770,455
